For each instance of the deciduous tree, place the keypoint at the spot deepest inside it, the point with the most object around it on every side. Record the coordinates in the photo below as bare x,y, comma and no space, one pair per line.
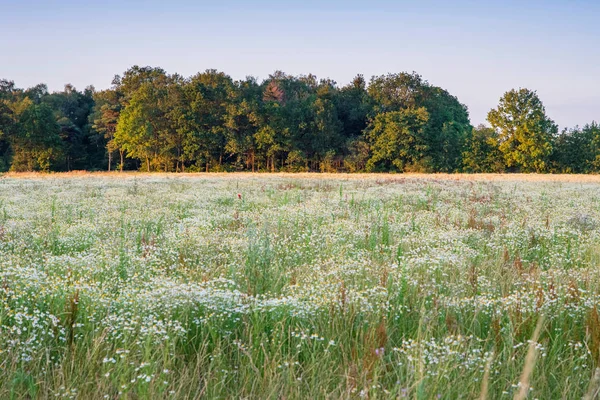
525,131
397,141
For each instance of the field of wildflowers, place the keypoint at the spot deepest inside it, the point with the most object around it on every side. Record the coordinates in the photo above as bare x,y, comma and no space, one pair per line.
309,286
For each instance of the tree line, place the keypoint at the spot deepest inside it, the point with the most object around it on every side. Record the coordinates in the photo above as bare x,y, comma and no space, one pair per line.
152,121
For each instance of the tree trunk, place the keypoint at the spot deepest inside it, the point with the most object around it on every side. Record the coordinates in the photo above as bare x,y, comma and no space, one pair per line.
121,166
148,164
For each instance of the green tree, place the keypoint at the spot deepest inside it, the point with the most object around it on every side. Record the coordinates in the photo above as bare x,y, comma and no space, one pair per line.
268,145
241,123
448,123
104,118
208,96
482,153
397,141
353,108
36,143
327,138
280,119
447,128
175,110
575,150
140,128
358,153
71,110
152,122
7,122
133,79
393,92
525,132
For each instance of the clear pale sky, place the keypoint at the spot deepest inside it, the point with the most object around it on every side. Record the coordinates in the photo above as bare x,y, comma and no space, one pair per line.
477,50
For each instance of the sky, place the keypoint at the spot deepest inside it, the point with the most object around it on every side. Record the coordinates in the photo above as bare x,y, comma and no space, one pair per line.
477,50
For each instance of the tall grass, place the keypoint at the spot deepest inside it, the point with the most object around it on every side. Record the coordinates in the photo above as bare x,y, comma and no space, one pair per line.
285,286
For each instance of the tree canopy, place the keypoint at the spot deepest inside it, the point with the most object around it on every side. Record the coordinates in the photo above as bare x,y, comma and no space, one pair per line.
155,121
525,132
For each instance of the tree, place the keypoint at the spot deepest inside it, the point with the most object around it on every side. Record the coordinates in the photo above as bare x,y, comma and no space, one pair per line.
71,110
398,122
241,123
393,92
7,121
482,153
208,95
35,142
134,78
152,122
142,125
267,144
280,118
104,118
5,127
397,141
525,132
353,108
448,120
447,128
575,150
175,108
323,138
358,153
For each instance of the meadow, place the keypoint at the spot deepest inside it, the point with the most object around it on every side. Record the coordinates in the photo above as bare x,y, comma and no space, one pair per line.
255,286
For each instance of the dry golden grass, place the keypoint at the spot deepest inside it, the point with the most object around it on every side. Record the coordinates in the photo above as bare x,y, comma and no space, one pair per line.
386,177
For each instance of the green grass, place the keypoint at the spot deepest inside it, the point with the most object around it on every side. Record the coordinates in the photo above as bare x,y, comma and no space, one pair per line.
166,286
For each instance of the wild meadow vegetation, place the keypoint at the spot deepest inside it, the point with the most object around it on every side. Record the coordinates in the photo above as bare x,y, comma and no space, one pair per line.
288,287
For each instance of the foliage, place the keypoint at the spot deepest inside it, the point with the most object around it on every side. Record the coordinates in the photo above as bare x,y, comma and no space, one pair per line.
104,118
482,152
448,120
525,132
397,141
154,121
577,150
36,140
